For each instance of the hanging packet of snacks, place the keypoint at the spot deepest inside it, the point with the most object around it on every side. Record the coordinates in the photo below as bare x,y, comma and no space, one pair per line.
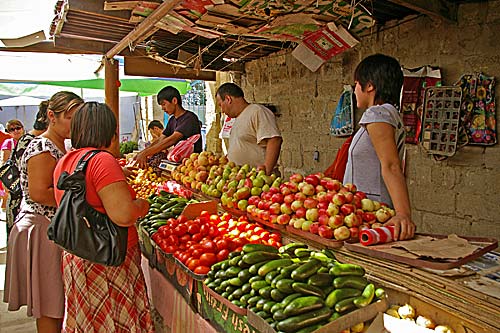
477,112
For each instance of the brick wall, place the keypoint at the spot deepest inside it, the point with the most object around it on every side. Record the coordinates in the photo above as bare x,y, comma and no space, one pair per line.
460,194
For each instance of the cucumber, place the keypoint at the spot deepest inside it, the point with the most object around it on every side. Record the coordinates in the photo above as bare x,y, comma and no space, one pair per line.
246,288
380,293
276,279
279,315
303,304
260,303
302,253
290,248
320,280
244,275
244,299
276,307
232,271
345,305
350,281
263,314
270,276
255,267
272,265
277,295
347,269
248,248
290,298
309,329
304,288
285,286
339,294
295,323
255,278
253,300
234,261
266,292
268,305
305,270
237,293
366,297
287,271
334,316
234,254
259,256
235,281
257,285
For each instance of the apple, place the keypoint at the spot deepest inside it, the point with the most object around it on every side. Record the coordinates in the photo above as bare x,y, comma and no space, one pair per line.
242,205
360,194
251,209
253,200
363,227
369,217
342,233
322,211
293,187
323,219
242,193
322,196
354,231
367,205
286,208
275,208
323,205
297,224
273,218
296,178
307,189
283,219
336,221
347,209
301,212
277,197
312,180
274,190
266,205
265,215
376,205
382,215
338,199
333,185
295,205
377,225
310,203
320,188
349,197
352,220
289,198
351,187
266,195
325,231
300,196
261,204
332,209
292,221
314,228
306,225
285,190
312,214
356,202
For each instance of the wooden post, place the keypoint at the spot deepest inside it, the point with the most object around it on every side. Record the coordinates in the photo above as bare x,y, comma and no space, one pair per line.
111,87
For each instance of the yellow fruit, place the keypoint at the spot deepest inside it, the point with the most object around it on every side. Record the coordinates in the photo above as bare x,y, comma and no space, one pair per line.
425,322
443,329
393,313
358,328
406,311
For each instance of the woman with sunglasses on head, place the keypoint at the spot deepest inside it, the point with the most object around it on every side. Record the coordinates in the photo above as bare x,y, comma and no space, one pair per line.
15,129
33,275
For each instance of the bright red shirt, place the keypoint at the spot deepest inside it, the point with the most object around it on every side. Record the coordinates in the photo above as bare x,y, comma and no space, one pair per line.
102,170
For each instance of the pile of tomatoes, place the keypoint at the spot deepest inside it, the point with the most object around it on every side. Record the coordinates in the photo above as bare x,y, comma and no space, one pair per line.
209,238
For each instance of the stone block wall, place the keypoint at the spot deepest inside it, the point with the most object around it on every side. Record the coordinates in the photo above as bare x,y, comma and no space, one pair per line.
460,194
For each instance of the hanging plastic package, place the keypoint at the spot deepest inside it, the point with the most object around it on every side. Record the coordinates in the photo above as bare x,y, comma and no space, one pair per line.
343,119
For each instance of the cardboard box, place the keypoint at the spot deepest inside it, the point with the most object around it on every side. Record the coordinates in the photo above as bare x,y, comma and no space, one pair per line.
385,323
336,326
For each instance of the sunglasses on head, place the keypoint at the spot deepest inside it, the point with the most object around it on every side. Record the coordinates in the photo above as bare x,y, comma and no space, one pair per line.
12,129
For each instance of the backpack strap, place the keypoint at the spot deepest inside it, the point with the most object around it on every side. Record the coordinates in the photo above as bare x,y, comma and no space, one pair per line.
82,163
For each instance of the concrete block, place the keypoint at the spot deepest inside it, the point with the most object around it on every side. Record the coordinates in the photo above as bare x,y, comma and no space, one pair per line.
481,206
444,225
468,156
432,199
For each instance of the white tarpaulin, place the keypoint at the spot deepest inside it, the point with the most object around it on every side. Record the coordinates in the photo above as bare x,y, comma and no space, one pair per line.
20,100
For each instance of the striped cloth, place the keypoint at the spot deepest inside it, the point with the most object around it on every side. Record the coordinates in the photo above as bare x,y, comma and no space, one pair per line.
105,298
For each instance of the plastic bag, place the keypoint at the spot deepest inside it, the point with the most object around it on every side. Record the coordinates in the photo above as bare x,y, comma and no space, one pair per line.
183,149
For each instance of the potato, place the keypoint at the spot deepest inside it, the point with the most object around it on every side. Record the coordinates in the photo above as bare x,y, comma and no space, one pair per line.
392,312
425,322
406,311
443,329
358,328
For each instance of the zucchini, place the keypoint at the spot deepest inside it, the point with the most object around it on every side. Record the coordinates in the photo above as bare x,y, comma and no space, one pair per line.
366,297
255,267
347,269
290,298
257,285
259,256
248,248
290,248
303,304
339,294
272,265
304,288
350,281
295,323
306,270
285,286
277,295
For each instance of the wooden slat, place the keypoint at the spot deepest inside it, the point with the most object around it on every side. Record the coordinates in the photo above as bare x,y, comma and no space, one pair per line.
440,9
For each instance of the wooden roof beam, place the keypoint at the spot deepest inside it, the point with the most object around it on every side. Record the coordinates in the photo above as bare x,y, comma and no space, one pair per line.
142,30
437,9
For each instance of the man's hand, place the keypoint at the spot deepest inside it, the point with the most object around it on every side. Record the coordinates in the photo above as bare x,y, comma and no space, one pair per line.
404,228
141,160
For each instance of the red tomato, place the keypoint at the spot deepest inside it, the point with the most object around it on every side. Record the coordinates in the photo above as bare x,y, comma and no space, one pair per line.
221,244
170,249
242,226
173,240
180,230
202,270
204,213
204,229
183,257
222,255
213,231
254,239
208,259
197,253
275,236
193,228
196,237
192,263
226,217
209,246
215,219
185,238
182,218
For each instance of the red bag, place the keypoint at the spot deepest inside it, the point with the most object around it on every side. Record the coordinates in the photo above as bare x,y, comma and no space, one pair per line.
337,169
183,149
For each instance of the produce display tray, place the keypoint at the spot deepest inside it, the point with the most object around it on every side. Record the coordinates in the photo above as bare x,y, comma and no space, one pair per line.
385,251
225,301
275,226
329,243
338,325
233,211
440,119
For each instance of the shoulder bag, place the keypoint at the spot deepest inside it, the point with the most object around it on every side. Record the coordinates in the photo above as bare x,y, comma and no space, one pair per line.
80,229
9,175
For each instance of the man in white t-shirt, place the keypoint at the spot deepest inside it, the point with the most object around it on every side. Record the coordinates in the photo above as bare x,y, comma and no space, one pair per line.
255,138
